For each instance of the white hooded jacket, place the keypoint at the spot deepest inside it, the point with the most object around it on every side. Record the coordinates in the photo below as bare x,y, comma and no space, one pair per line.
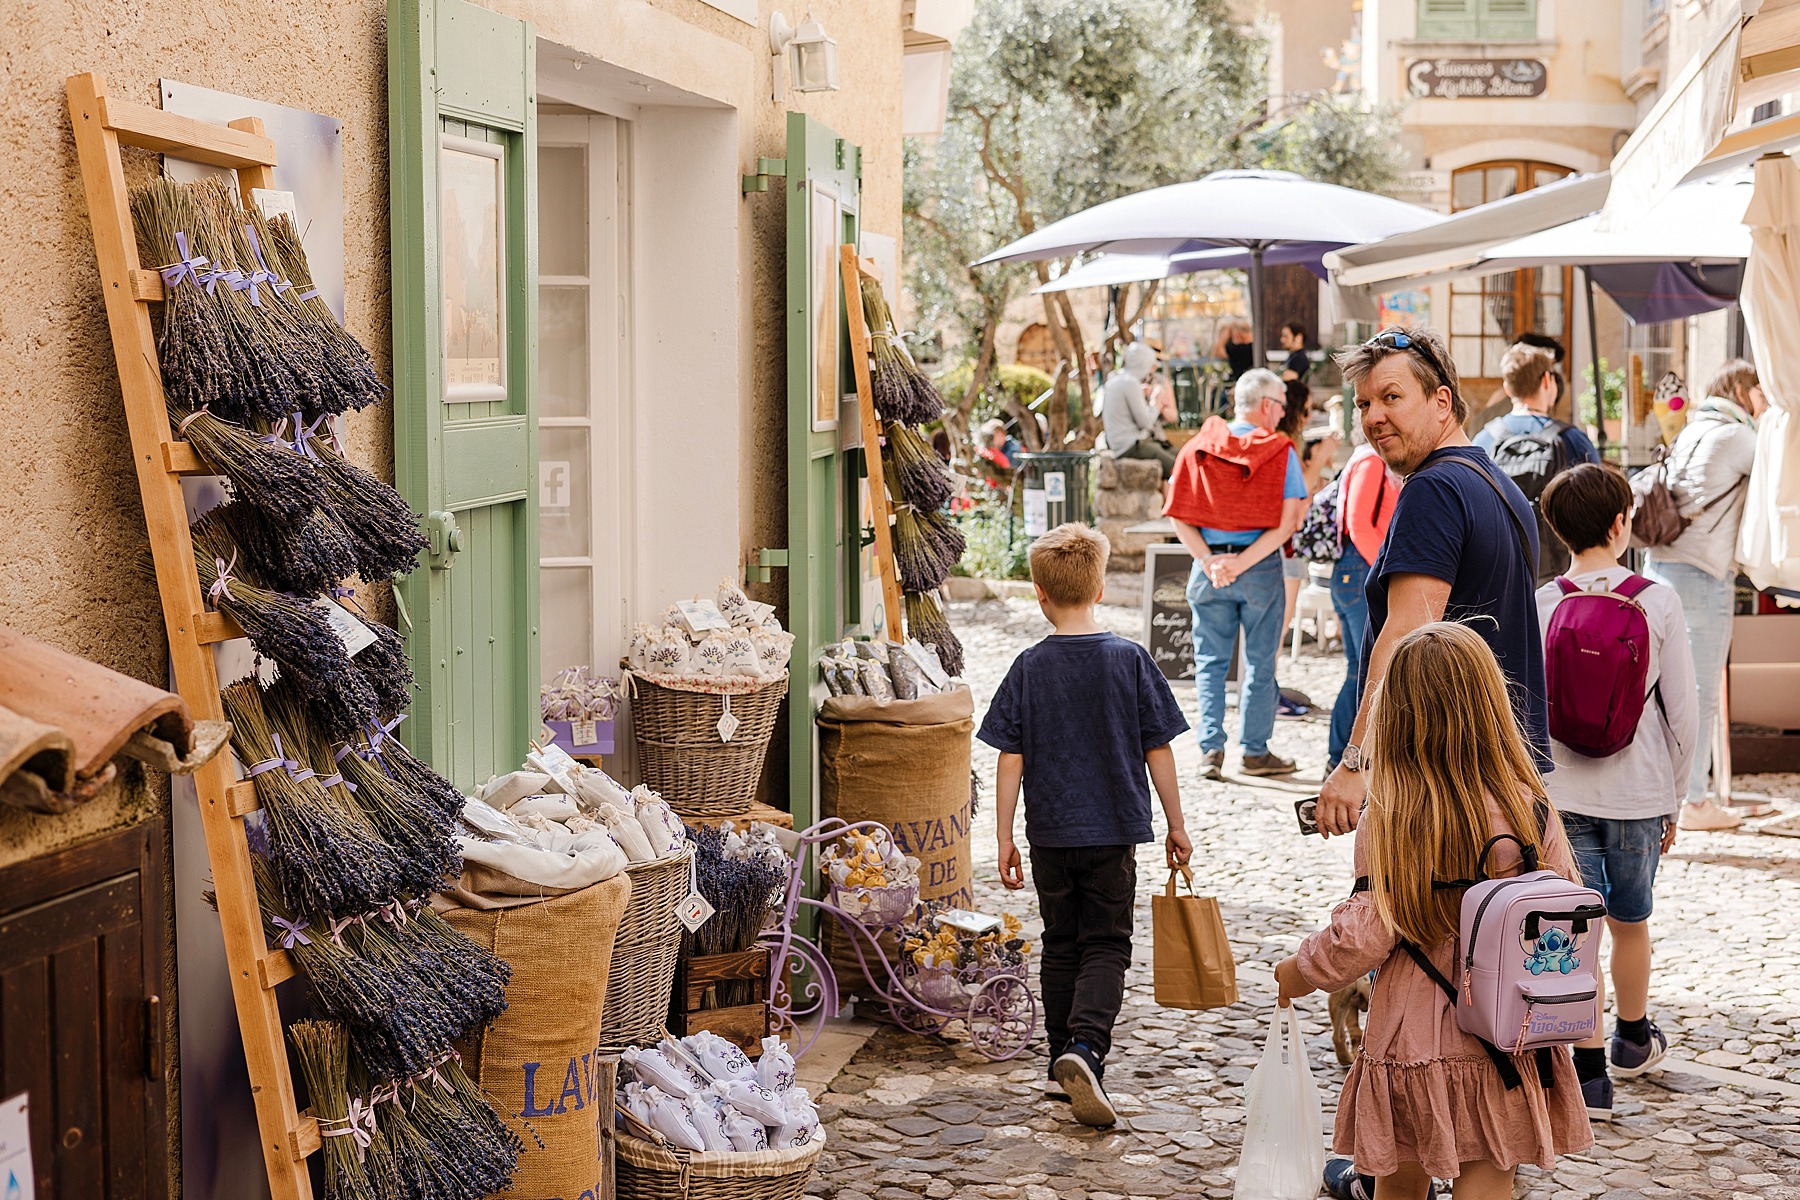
1129,415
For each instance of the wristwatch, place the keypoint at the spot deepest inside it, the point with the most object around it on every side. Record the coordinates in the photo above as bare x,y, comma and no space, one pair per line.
1353,760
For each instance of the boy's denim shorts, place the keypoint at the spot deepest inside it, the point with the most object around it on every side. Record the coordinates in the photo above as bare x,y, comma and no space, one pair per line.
1617,859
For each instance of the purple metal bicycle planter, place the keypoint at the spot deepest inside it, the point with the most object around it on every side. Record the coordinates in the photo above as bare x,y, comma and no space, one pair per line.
995,1003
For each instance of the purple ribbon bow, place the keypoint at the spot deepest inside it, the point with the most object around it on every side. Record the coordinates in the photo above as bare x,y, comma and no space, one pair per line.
174,274
293,933
222,585
269,764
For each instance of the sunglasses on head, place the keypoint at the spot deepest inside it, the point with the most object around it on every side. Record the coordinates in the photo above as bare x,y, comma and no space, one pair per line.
1397,340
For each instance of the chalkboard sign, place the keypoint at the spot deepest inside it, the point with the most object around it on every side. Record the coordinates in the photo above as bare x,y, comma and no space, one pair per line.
1168,621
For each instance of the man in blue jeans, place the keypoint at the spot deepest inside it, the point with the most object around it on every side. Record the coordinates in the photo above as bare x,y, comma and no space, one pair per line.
1236,496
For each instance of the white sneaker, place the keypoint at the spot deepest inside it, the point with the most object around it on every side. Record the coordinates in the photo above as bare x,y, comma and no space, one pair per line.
1707,817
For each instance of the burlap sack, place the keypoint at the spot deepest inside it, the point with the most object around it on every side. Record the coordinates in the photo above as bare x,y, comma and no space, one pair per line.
538,1062
905,764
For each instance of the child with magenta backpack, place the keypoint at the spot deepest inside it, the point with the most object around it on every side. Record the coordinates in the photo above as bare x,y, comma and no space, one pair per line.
1482,958
1623,729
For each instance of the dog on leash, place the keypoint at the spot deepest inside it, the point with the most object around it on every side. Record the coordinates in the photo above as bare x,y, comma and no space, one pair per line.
1347,1006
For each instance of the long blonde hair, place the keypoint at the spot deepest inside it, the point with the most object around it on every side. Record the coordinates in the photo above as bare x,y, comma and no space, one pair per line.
1444,740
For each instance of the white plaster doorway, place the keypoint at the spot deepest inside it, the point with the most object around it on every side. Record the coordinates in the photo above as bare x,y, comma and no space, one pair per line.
586,468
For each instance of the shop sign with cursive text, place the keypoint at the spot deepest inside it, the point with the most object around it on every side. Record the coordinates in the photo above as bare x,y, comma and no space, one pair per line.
1476,78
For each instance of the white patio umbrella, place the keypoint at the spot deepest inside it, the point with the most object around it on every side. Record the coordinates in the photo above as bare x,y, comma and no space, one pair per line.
1769,540
1255,211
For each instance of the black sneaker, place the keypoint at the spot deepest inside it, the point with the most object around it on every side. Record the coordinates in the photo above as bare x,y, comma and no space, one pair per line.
1598,1093
1287,710
1079,1071
1630,1059
1212,764
1344,1182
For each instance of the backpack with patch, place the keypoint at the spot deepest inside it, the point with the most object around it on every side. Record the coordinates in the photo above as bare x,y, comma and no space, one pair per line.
1531,461
1596,662
1317,540
1528,982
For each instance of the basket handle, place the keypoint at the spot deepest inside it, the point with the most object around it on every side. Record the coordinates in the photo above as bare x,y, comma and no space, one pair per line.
639,1129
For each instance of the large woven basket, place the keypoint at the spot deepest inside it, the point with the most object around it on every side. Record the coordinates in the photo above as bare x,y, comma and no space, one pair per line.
644,951
680,754
647,1171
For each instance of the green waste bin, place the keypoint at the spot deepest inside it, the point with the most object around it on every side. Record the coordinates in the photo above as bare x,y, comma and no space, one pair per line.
1051,488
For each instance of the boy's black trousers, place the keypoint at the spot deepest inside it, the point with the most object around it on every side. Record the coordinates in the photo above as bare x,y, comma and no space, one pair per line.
1086,895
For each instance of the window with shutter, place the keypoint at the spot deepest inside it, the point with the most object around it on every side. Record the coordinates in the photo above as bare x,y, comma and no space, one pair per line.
1475,20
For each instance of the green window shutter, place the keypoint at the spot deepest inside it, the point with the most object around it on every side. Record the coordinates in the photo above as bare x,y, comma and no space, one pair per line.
1514,20
462,128
823,200
1448,20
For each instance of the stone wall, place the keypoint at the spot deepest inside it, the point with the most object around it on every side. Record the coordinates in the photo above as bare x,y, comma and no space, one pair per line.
1128,492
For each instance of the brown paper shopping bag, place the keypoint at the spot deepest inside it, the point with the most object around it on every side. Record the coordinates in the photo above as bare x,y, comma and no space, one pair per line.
1194,968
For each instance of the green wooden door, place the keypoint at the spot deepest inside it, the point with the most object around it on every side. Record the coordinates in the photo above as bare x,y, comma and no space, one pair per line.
823,186
462,153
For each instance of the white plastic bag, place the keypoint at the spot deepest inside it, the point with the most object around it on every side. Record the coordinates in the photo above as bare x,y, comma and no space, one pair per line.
1283,1156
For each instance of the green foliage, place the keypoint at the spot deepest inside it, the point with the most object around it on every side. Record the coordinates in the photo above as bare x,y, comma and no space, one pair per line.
1612,384
1009,380
990,553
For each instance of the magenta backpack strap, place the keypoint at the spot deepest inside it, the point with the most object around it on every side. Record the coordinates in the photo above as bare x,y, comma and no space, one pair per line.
1566,586
1631,586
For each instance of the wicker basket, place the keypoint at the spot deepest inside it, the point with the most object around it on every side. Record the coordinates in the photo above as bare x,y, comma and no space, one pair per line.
648,1171
644,952
679,752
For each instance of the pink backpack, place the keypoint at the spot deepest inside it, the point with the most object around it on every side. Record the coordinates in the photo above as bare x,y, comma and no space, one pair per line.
1527,980
1596,659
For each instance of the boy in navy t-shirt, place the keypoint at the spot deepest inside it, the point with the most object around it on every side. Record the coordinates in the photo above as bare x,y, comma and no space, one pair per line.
1077,719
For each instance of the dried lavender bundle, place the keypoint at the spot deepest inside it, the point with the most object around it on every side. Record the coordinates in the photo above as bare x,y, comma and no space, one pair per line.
453,1116
739,890
304,558
342,985
926,546
328,860
419,842
324,1053
925,622
430,787
272,373
384,531
191,347
915,473
358,381
293,634
263,471
388,669
901,391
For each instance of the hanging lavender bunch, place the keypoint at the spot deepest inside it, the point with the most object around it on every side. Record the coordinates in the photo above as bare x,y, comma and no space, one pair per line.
925,622
915,473
901,391
191,348
384,531
385,664
927,545
355,381
263,470
324,1054
304,558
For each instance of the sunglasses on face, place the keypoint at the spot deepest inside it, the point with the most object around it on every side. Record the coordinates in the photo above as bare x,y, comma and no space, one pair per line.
1396,340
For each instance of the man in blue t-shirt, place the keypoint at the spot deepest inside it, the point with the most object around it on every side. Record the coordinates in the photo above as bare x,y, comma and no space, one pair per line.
1462,545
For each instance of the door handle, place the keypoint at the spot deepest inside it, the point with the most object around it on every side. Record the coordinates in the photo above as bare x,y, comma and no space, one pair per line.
446,539
153,1037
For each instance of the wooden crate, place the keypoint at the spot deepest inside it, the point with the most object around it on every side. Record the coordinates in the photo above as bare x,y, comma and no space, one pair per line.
757,812
743,1024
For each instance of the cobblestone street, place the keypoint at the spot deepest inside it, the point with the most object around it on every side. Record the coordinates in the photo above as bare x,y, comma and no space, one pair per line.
913,1115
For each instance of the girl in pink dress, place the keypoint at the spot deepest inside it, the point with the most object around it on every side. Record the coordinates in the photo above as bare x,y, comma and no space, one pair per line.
1449,770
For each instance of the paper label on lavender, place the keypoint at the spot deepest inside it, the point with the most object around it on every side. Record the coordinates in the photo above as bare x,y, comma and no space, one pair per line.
693,911
928,663
701,616
356,636
273,202
969,922
584,733
555,762
728,725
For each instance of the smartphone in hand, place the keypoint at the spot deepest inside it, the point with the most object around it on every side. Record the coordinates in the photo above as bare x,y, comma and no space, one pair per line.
1307,812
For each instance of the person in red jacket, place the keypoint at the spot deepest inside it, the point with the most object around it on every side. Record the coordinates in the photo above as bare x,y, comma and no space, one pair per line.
1236,496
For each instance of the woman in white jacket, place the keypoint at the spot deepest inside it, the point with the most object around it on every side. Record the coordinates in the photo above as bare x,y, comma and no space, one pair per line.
1709,465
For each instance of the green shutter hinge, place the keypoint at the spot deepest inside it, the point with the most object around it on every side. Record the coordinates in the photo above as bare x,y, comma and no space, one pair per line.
757,569
766,169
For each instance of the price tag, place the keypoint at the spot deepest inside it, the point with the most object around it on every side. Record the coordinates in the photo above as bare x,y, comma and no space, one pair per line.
584,733
969,922
356,636
693,911
728,725
701,616
928,663
555,762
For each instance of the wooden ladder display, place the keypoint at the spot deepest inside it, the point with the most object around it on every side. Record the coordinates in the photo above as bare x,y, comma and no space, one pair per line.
102,124
881,506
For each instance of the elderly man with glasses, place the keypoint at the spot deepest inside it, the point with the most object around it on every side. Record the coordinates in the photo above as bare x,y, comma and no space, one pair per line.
1236,496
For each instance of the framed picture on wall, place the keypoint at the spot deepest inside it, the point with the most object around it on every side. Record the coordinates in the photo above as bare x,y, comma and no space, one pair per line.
825,291
471,211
